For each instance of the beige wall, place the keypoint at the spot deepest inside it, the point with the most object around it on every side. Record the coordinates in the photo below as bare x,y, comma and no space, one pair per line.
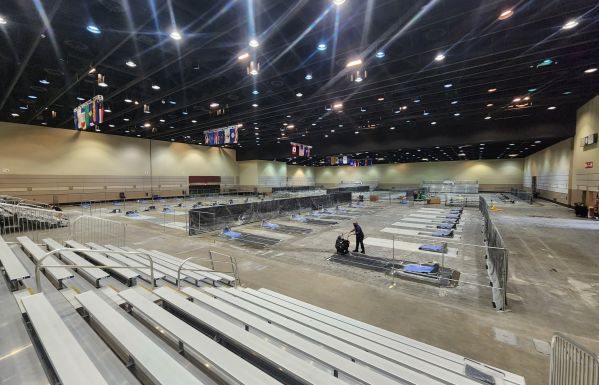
586,179
57,165
551,167
493,175
300,176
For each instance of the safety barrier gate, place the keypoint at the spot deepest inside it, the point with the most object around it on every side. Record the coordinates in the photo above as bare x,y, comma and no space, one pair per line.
571,363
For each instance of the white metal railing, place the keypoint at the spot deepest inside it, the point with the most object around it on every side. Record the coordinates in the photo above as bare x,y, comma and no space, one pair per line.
39,266
232,262
87,228
571,363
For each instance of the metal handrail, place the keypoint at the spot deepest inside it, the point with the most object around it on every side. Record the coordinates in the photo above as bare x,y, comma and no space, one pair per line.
38,263
234,266
571,363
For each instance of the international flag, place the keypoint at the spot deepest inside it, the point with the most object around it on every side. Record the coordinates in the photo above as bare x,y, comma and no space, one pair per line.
345,159
233,134
221,136
307,151
227,135
294,149
301,150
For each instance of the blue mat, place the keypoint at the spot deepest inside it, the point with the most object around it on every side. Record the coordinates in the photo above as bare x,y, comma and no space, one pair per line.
269,225
132,215
447,227
434,248
442,234
231,234
415,268
299,218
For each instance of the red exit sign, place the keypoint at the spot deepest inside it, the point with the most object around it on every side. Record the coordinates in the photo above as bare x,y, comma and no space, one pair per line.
588,164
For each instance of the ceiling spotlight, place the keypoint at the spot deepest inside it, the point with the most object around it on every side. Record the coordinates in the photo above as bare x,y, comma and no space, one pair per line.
102,81
130,63
461,154
185,112
531,89
338,2
338,106
506,14
456,114
162,120
380,98
172,102
440,57
194,121
214,105
433,123
491,90
175,35
254,105
44,81
567,93
545,62
416,100
392,128
93,29
513,155
127,100
353,63
254,43
551,108
380,54
356,132
3,21
321,47
487,117
107,109
32,97
489,104
516,100
91,70
111,125
155,87
448,85
136,102
253,68
79,98
255,92
126,119
454,102
570,24
425,113
15,115
308,76
146,109
146,125
590,70
243,56
299,94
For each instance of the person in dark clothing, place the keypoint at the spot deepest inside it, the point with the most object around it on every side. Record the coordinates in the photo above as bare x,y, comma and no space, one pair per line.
359,237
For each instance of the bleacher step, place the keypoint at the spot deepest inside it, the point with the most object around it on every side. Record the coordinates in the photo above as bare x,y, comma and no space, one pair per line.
21,294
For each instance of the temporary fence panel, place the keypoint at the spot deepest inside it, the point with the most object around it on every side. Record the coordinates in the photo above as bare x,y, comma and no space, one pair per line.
451,186
571,363
523,195
85,229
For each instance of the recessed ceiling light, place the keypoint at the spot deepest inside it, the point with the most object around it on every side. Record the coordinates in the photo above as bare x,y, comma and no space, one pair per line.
454,102
491,90
255,92
175,35
338,2
506,14
107,110
3,20
440,57
532,89
448,85
15,115
567,92
254,105
570,24
489,104
32,97
380,99
353,63
537,141
155,87
321,47
380,54
308,77
513,155
432,123
590,70
44,81
93,29
147,125
185,112
256,128
127,100
299,94
487,117
456,114
356,132
79,98
425,113
126,119
461,154
138,135
162,120
416,100
551,108
392,128
214,105
111,125
254,43
130,63
516,100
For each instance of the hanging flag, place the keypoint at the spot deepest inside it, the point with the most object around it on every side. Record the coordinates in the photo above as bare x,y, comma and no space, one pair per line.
345,159
294,149
307,151
233,134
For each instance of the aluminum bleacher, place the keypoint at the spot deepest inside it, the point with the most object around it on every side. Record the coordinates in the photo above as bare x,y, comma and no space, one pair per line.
216,276
91,273
57,274
13,268
60,345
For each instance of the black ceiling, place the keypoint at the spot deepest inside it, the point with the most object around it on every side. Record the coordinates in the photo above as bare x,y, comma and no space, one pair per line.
407,100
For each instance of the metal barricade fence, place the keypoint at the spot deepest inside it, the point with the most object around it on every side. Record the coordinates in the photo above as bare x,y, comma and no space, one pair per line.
85,229
523,195
497,257
571,363
33,221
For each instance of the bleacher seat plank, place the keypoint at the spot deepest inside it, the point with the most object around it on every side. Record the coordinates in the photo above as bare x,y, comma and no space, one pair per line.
198,276
145,353
222,361
57,273
301,370
124,272
70,362
158,266
94,273
427,350
374,369
124,260
14,269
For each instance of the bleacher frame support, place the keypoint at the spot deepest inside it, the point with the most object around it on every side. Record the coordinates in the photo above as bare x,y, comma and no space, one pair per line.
232,262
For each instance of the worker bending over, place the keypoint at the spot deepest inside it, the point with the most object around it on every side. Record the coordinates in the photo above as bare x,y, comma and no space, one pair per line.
359,237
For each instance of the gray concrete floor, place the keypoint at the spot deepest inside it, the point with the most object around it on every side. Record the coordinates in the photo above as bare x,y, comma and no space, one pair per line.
554,285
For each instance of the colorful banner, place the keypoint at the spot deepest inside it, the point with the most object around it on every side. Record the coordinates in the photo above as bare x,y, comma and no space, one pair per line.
90,113
220,136
298,149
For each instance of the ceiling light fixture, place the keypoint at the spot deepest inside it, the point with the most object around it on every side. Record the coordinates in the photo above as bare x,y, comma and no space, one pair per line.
353,63
93,29
454,102
254,105
243,56
433,123
130,63
255,92
456,114
590,70
337,106
416,100
102,81
506,14
491,90
570,24
551,108
32,97
489,104
155,87
338,2
15,115
487,117
214,105
440,57
254,43
448,85
380,98
380,54
127,100
308,76
321,47
44,81
175,35
299,94
253,68
3,20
